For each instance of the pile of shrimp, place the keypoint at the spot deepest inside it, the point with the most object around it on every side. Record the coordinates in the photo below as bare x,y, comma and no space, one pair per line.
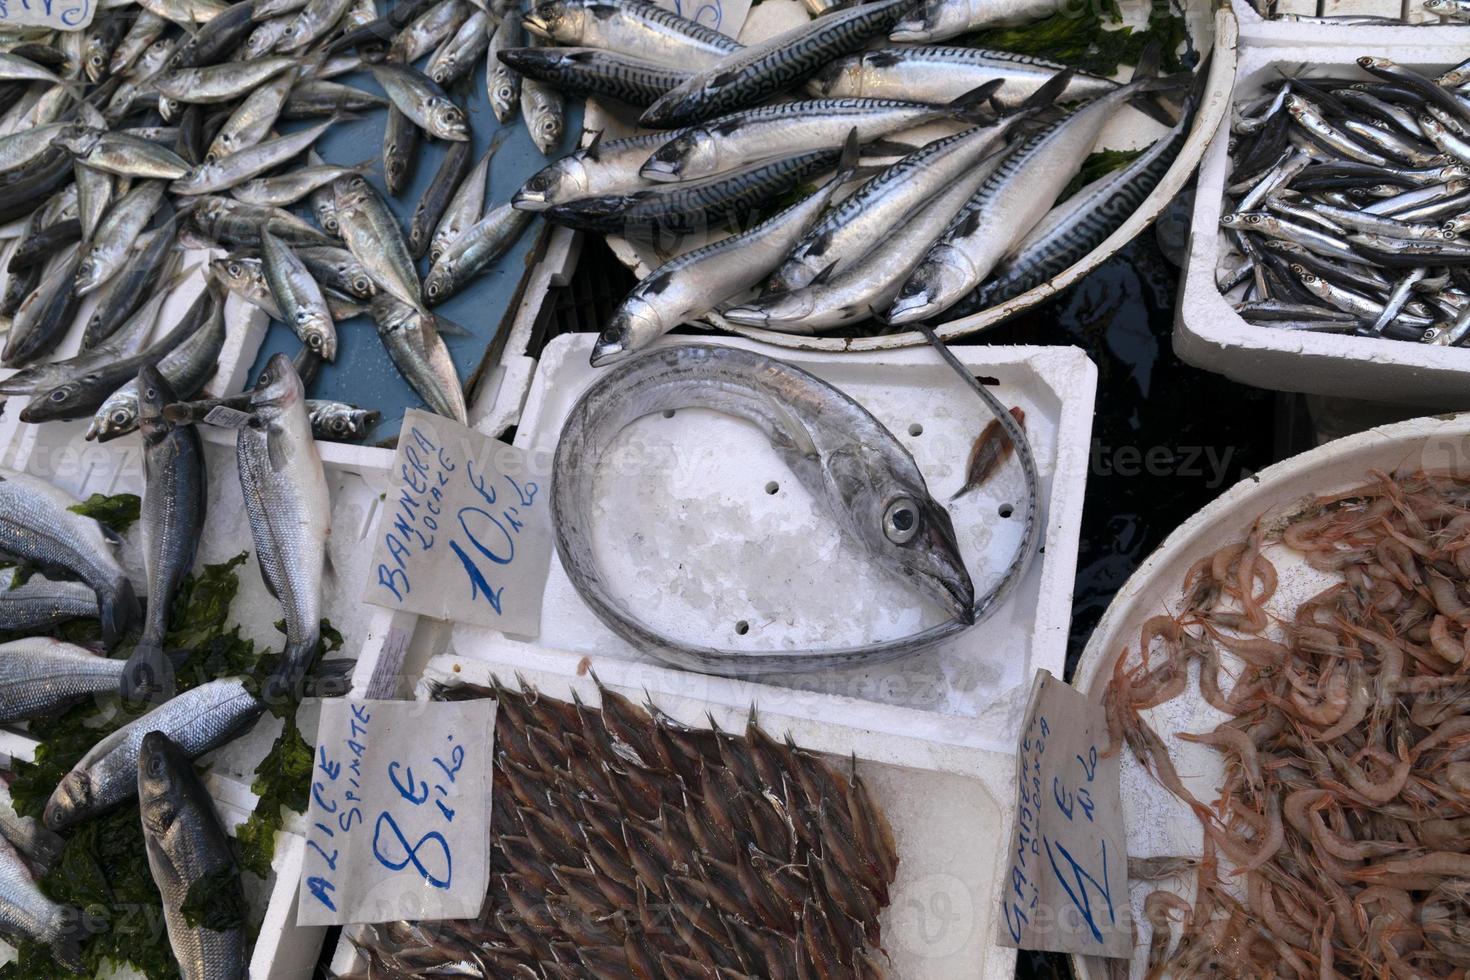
1339,842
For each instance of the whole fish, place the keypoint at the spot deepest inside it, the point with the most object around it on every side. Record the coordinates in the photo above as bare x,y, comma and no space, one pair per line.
503,83
252,119
602,168
1008,205
34,247
936,74
94,196
631,28
292,186
436,197
106,252
39,603
40,677
879,499
26,914
690,285
544,111
324,199
937,20
199,719
240,166
145,30
107,33
413,342
298,296
290,512
187,844
221,219
337,268
315,20
759,71
221,83
467,204
221,32
590,71
458,55
19,149
151,261
420,99
332,421
788,128
38,527
373,235
319,97
123,155
400,151
428,30
245,277
47,313
475,248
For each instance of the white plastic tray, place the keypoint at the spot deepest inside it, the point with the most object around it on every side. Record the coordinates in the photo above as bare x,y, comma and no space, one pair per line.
1256,30
1156,822
716,531
1208,333
939,923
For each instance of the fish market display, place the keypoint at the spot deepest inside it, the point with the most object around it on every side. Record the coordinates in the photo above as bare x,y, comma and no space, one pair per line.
624,843
1337,842
1346,204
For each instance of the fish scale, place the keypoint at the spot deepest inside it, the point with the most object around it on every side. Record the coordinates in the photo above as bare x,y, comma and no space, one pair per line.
39,676
40,604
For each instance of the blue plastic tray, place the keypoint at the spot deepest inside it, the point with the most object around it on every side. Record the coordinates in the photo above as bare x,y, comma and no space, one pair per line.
363,374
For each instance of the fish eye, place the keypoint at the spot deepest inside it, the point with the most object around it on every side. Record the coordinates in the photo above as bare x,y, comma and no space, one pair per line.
610,335
901,521
58,396
151,394
120,417
156,766
314,341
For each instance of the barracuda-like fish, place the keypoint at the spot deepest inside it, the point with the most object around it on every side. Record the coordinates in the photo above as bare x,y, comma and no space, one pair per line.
290,512
879,498
336,422
41,676
39,604
788,128
693,284
632,28
937,74
199,719
591,71
1008,205
37,527
412,340
759,71
185,369
474,249
187,844
603,168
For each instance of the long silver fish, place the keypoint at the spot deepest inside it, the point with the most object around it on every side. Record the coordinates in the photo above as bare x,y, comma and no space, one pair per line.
199,719
475,248
175,502
124,155
125,221
937,74
38,527
39,604
47,313
420,99
602,168
187,844
221,83
591,71
690,285
632,28
937,20
412,340
151,262
373,235
290,512
760,71
876,493
400,150
27,914
40,676
298,296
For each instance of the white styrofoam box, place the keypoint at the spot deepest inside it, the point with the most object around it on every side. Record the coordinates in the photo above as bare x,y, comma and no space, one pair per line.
939,923
715,531
1417,24
1157,823
1208,333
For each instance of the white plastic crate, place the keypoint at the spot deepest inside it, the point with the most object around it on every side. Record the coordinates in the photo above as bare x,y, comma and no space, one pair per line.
939,924
1209,334
1157,823
1418,25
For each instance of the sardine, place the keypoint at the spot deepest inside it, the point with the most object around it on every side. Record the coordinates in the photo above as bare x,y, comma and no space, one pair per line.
373,235
419,98
503,83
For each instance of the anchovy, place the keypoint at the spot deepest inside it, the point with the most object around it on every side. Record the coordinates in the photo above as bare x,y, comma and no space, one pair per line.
938,74
590,71
39,604
696,282
336,421
436,196
38,527
186,845
475,248
199,719
412,340
632,28
883,504
290,512
762,70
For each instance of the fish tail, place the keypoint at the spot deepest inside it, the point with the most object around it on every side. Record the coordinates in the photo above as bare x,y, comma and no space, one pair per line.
119,610
43,846
287,684
67,945
148,675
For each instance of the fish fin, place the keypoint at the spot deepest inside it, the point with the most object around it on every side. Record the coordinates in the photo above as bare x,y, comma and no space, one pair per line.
975,104
148,676
848,162
1148,62
117,612
1049,92
821,278
887,147
67,947
591,148
723,78
448,327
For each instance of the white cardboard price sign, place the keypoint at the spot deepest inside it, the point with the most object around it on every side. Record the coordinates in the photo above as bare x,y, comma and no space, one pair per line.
61,15
398,824
1066,883
465,532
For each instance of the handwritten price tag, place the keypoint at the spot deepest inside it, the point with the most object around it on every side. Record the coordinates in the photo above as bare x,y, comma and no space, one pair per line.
1066,886
61,15
398,825
465,532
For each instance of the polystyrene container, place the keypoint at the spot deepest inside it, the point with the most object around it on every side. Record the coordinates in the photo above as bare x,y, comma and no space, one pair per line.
1157,823
1416,25
1208,333
939,924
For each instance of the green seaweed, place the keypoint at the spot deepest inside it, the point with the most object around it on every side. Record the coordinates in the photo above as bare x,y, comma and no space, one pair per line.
118,511
216,900
1079,37
1096,165
282,781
